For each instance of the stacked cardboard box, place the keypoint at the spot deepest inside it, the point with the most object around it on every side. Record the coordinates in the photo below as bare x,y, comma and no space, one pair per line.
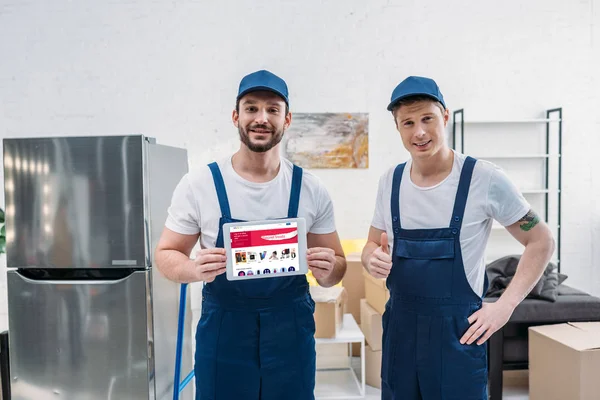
372,308
354,283
564,361
376,292
329,310
371,325
364,297
372,328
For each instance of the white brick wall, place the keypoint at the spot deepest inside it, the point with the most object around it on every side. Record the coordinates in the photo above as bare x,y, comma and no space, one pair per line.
170,69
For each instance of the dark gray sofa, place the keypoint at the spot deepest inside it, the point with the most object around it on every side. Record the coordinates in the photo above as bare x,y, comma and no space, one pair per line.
508,347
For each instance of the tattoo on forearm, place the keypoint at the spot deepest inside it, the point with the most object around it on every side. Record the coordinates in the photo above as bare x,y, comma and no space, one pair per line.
530,220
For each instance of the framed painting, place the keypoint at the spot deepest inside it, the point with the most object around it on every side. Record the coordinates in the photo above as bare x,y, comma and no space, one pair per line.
328,140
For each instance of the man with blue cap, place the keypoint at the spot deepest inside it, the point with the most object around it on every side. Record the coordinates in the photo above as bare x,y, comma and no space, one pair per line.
255,339
428,235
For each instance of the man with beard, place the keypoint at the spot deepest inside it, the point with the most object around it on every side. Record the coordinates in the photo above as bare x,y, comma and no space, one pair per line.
255,340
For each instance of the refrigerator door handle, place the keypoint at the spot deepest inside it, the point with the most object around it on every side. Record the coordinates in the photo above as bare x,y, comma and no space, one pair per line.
85,281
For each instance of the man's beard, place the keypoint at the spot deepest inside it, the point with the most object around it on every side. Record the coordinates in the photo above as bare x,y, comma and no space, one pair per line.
260,148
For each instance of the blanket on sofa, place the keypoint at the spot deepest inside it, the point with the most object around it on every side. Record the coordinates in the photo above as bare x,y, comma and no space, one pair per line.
501,272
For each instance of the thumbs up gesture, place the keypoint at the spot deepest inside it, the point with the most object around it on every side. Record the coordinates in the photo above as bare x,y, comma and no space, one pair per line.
380,262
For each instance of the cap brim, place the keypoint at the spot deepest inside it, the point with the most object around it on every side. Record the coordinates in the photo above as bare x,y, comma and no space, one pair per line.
391,106
261,88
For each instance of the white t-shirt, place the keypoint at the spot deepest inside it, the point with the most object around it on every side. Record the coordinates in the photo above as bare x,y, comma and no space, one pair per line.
195,207
492,196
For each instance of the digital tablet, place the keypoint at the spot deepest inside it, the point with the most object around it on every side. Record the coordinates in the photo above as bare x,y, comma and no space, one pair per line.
265,249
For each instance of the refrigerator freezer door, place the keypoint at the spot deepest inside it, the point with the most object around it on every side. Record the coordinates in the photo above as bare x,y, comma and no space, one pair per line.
75,202
165,167
80,340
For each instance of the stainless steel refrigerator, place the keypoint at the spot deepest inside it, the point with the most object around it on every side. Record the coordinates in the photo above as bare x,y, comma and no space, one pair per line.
90,316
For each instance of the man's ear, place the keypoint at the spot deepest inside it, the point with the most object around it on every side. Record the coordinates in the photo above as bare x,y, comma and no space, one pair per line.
235,117
446,116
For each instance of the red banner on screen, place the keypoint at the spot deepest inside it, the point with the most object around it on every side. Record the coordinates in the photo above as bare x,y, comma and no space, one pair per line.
267,237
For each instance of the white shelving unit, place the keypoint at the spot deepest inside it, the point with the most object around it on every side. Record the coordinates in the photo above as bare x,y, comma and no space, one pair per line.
342,383
513,156
508,121
529,148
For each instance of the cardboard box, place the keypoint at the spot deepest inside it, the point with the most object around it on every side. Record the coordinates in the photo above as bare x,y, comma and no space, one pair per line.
329,310
332,355
354,282
371,325
376,292
373,367
564,361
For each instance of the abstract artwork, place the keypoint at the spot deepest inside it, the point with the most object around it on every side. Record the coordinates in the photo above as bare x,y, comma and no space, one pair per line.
328,140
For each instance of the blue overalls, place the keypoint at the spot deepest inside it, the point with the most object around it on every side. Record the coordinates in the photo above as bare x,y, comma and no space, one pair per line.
255,339
430,301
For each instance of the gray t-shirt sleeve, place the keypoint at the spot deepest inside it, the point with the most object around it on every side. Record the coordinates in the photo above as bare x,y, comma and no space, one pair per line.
183,216
505,202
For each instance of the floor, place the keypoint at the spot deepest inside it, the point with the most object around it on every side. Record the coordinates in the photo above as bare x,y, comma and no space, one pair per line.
512,391
509,393
515,386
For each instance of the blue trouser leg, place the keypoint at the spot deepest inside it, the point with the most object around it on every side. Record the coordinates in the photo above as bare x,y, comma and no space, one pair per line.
399,379
226,363
423,359
256,355
287,352
464,367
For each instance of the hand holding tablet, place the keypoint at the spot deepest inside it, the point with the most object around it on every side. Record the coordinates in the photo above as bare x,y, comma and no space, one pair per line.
321,261
265,249
210,263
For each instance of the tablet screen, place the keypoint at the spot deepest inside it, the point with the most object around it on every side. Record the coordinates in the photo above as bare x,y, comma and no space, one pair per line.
264,249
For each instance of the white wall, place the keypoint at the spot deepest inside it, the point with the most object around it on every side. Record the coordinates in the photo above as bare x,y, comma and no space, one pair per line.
170,69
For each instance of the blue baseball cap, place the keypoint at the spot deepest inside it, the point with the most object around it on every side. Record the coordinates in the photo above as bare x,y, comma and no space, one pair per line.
416,86
263,80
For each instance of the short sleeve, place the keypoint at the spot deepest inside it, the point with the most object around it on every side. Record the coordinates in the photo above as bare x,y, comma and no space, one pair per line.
505,203
324,222
183,216
378,221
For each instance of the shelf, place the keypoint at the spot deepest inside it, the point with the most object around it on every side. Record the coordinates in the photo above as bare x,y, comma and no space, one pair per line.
489,260
349,333
539,191
546,190
522,121
339,384
343,383
498,227
516,156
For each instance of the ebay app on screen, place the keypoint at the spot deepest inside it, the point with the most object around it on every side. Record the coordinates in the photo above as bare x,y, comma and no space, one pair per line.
264,249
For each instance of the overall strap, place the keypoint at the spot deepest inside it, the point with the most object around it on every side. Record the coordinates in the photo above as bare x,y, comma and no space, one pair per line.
462,193
221,192
295,192
395,204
